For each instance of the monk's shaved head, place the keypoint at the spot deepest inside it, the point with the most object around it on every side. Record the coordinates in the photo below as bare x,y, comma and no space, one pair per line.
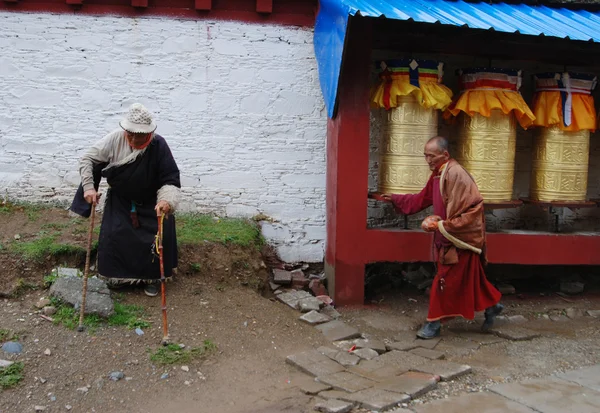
440,142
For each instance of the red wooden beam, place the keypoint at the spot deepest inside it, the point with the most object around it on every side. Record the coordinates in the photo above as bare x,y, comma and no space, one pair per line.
139,3
11,1
75,2
203,4
264,6
347,171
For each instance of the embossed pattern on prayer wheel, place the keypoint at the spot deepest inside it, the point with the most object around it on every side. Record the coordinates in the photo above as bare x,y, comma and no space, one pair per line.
486,148
560,165
402,166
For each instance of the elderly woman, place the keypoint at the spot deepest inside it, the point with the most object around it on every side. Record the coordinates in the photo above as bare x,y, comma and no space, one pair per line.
143,181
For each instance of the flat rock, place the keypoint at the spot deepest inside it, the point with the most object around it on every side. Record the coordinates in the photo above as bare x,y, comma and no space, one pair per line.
5,363
282,277
345,345
517,319
430,354
273,286
506,289
572,287
292,298
559,318
341,356
573,313
334,406
366,353
337,330
98,301
401,358
377,345
334,394
551,395
377,399
516,334
313,387
331,312
378,374
309,304
314,317
67,272
412,383
42,303
346,381
446,370
588,377
314,363
390,322
473,402
12,347
593,313
406,342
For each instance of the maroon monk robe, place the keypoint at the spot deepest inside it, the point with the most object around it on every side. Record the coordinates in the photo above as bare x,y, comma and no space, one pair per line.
460,287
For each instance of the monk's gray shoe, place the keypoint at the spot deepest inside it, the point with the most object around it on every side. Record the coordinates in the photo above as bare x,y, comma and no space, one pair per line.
490,315
431,329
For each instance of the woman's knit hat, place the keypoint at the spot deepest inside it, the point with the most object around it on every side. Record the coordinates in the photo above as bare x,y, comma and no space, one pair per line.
138,120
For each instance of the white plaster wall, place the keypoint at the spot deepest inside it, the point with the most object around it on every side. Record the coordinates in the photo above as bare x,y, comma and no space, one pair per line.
239,104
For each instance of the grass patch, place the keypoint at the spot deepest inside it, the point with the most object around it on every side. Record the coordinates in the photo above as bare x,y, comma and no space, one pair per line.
69,317
23,286
40,248
195,267
4,334
195,229
173,354
11,376
130,316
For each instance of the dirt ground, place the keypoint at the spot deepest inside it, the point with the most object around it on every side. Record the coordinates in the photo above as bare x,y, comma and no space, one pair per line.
223,301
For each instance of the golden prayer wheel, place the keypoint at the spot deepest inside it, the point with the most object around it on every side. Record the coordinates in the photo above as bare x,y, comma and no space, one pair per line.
402,168
412,93
486,148
561,147
489,107
560,165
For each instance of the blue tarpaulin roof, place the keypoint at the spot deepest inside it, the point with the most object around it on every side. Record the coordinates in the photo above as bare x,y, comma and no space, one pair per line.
332,23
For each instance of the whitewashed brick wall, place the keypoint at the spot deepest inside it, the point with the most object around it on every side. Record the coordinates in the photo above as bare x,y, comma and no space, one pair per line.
239,104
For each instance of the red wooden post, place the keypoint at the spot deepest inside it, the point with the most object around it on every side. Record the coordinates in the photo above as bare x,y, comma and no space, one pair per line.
264,6
347,170
75,2
203,5
139,3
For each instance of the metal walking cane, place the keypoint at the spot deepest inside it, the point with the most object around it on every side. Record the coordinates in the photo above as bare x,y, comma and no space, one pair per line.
86,271
163,292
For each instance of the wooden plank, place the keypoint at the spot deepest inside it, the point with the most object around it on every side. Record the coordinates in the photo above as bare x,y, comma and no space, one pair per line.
139,3
264,6
203,4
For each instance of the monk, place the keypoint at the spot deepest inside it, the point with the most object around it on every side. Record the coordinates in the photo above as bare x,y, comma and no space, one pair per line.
460,287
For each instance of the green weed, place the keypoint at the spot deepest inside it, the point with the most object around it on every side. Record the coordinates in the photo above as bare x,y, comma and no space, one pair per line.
40,248
195,229
173,354
11,376
129,316
4,334
195,267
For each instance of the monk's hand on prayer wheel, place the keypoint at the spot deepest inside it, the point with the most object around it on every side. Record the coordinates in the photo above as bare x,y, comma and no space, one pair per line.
430,224
162,207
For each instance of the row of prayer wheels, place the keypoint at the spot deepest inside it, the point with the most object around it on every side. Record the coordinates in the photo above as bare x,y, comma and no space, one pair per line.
486,111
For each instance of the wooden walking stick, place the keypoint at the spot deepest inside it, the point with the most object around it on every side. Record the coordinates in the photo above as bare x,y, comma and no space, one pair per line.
86,271
163,292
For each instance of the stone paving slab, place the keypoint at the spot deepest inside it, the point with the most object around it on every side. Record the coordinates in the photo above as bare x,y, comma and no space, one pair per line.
412,383
342,357
588,377
474,402
331,312
377,399
314,363
346,381
309,304
282,276
337,330
313,387
515,333
430,354
551,395
334,406
366,353
314,317
446,370
334,394
378,374
377,345
402,358
482,338
291,298
407,341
